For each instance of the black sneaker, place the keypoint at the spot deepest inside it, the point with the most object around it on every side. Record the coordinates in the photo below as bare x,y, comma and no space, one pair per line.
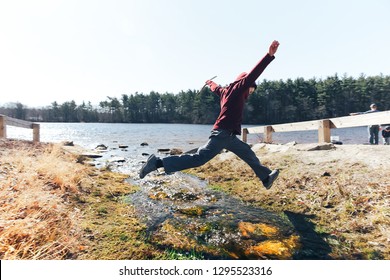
149,166
270,179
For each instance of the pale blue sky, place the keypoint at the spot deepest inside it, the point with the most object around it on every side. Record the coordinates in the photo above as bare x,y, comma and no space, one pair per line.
85,50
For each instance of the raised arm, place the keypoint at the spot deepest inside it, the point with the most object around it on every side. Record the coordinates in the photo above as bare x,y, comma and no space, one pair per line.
262,64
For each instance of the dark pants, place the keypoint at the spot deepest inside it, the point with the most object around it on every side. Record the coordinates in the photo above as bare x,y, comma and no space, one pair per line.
218,140
374,132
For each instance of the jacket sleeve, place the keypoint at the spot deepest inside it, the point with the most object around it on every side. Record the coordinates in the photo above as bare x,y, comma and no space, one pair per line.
258,69
217,89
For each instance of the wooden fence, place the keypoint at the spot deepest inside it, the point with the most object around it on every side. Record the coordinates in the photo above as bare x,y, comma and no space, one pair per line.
4,121
323,126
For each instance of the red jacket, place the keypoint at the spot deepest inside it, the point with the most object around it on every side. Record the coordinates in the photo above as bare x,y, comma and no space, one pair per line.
234,95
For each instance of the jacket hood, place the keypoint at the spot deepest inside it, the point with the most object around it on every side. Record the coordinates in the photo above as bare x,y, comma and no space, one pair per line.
246,91
243,75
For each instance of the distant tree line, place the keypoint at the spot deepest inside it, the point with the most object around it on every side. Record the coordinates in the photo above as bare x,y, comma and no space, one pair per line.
273,102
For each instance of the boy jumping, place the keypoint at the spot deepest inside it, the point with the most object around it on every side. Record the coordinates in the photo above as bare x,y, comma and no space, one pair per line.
225,129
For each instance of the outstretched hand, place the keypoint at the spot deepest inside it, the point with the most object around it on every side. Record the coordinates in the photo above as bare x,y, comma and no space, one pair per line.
273,48
208,82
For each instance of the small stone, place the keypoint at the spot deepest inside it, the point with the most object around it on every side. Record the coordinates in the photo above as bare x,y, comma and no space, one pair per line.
68,143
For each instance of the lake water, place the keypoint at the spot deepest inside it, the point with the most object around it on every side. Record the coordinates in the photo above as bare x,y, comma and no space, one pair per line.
158,136
185,136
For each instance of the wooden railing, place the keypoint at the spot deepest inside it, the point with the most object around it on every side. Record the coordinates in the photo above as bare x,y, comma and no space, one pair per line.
323,126
4,121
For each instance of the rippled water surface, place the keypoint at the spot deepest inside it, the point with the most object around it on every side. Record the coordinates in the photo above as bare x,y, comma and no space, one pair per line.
90,134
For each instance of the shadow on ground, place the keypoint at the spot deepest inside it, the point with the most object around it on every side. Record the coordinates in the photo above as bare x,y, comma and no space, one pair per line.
313,246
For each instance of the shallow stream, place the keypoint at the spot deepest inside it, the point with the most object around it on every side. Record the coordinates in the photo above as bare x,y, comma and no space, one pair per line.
182,213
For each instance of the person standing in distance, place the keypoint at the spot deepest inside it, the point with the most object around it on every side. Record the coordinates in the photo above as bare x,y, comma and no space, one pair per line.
373,130
225,129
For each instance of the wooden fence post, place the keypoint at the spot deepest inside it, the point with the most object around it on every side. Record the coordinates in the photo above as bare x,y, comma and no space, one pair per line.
3,127
36,134
268,134
324,131
244,135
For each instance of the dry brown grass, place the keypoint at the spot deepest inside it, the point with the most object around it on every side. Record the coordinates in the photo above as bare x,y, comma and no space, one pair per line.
37,221
55,208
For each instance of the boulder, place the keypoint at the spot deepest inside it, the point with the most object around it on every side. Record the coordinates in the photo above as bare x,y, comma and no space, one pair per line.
116,159
164,150
123,146
315,147
101,147
175,151
68,143
91,155
195,210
